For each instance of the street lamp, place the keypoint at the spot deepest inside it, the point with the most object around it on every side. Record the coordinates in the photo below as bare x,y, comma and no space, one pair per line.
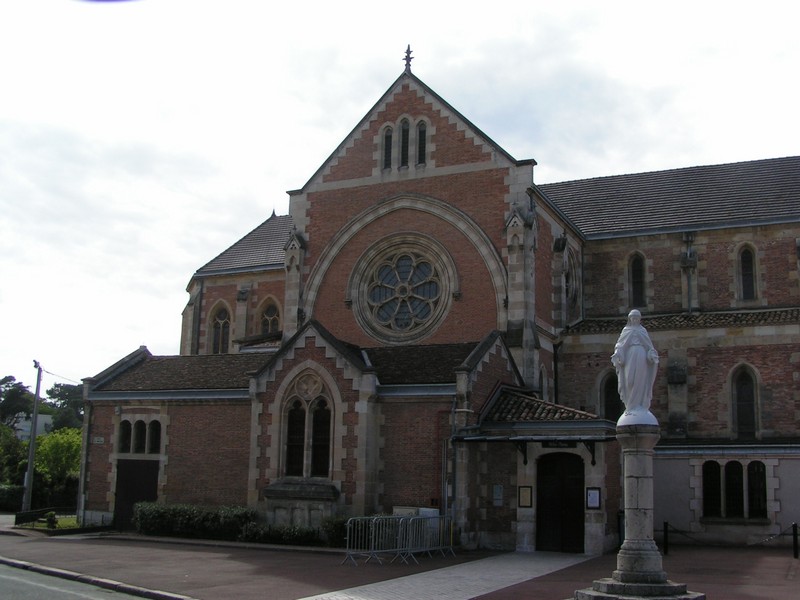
26,498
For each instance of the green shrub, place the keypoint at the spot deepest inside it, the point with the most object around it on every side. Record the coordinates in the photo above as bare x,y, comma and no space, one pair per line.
188,520
51,519
334,531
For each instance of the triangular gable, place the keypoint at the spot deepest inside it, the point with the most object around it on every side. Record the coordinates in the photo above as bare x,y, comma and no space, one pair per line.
455,140
492,345
516,414
345,352
119,367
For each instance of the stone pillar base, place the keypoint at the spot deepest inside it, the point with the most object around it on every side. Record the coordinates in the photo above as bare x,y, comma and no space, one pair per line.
611,589
639,561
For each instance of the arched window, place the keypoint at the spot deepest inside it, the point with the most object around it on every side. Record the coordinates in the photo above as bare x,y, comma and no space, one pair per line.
308,428
637,281
124,437
712,488
222,331
270,319
734,490
154,437
744,404
295,439
747,274
404,137
612,403
757,489
139,437
387,148
422,142
320,439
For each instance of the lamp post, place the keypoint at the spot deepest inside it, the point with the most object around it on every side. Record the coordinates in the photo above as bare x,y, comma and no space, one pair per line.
26,498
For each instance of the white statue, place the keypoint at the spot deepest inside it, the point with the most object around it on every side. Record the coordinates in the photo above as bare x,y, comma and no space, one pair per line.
636,362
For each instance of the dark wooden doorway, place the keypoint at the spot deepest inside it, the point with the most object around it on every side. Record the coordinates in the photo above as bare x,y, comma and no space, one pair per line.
137,481
559,503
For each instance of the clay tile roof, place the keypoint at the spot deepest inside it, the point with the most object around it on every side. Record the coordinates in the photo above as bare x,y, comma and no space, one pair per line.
516,407
760,191
260,249
215,371
419,364
692,321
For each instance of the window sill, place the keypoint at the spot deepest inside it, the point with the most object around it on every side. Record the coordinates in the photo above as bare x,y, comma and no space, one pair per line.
735,521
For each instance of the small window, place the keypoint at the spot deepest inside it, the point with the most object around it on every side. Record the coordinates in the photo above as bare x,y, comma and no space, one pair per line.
139,437
757,489
387,148
724,490
612,403
295,439
270,319
154,437
320,439
124,437
422,142
747,274
744,405
712,487
637,280
404,137
222,330
734,490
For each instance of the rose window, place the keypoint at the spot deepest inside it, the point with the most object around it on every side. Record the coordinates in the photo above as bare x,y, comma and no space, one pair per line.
403,292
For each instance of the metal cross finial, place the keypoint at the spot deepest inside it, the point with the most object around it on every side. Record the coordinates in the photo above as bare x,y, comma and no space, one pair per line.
408,59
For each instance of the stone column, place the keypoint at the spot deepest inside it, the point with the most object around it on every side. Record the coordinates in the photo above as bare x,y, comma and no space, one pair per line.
639,560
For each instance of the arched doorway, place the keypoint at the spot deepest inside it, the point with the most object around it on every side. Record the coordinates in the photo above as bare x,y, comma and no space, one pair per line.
559,503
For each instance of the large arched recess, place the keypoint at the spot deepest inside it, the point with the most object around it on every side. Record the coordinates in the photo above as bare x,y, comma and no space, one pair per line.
448,213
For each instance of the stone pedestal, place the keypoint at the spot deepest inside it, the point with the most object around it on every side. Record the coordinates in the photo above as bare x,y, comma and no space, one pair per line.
639,572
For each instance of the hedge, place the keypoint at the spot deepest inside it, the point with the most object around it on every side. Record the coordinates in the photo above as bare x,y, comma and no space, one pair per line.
230,523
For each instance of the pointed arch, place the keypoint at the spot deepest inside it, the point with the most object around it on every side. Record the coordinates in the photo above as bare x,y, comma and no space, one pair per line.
495,267
387,147
269,317
422,142
307,427
637,278
744,402
218,328
405,136
746,273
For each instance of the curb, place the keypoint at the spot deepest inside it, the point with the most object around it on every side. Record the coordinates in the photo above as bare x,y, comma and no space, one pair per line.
108,584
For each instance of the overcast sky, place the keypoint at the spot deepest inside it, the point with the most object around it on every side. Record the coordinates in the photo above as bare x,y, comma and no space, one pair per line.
140,139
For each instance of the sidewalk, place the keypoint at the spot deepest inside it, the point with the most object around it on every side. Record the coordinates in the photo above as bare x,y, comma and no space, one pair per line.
220,571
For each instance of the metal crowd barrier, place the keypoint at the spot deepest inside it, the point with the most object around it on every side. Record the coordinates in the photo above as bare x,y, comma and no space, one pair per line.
397,537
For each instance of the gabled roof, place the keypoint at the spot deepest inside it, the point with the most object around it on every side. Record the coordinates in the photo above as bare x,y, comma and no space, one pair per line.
261,249
513,405
694,198
408,76
197,372
514,414
410,365
350,352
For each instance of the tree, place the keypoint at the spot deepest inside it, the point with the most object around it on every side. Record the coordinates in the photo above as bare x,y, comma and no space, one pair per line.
13,457
16,401
58,455
68,401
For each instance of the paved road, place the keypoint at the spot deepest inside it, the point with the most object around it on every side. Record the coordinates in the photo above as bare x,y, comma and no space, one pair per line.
18,584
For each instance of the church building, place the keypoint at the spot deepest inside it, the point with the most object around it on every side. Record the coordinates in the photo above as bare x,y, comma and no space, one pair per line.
430,331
